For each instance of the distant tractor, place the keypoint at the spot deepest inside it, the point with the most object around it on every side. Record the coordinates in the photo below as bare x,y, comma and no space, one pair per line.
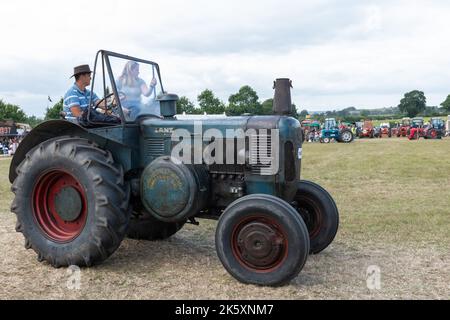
417,129
331,131
403,128
435,130
385,130
367,130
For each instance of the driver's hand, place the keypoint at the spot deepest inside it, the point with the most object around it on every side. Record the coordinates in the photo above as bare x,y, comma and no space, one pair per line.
153,82
126,111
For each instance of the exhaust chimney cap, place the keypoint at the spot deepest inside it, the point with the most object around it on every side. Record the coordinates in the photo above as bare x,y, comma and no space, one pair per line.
282,102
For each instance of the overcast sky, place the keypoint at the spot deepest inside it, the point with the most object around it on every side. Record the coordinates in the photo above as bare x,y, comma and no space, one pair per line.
338,53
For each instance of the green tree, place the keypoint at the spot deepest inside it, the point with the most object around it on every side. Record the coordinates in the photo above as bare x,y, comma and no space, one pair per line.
245,101
446,103
186,105
11,112
33,121
54,112
294,111
266,107
209,103
365,113
413,103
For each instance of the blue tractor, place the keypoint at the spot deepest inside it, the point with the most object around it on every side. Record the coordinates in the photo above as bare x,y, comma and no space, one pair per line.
81,187
332,131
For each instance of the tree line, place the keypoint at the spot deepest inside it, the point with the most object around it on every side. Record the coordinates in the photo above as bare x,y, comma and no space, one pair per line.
246,101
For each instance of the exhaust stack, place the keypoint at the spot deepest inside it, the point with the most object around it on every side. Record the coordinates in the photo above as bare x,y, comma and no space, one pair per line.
282,103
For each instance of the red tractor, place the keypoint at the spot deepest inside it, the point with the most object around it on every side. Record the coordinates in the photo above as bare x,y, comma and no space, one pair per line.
385,130
403,128
417,129
367,130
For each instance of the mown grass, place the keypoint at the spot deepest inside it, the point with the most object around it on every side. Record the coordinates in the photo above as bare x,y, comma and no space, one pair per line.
394,201
392,189
5,186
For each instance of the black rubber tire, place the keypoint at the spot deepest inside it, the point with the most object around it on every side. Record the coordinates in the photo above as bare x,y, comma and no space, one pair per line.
346,131
292,226
143,226
106,193
320,213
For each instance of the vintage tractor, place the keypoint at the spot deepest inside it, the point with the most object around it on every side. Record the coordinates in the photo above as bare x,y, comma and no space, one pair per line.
435,130
403,128
385,130
80,188
367,130
417,129
331,131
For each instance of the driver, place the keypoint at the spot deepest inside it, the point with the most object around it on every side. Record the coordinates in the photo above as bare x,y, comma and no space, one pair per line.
76,99
132,87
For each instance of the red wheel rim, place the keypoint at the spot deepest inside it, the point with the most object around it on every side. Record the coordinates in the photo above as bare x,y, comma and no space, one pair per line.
433,133
47,192
259,244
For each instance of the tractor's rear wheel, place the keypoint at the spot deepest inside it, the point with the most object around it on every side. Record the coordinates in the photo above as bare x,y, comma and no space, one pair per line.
261,239
319,212
71,202
346,136
143,226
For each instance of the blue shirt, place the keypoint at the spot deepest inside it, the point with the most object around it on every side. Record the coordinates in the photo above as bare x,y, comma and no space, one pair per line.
75,97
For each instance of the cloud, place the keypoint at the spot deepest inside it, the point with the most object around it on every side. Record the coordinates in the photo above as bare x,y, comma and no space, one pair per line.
338,53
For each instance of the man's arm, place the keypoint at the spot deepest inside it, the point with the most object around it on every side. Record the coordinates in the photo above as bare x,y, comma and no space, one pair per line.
76,110
72,104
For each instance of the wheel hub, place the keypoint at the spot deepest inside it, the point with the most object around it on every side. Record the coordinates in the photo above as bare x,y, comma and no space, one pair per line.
68,204
260,245
311,215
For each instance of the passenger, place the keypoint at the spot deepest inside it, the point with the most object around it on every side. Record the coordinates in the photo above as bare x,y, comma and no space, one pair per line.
131,87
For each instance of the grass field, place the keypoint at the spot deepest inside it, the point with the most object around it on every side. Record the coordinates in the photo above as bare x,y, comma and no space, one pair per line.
394,201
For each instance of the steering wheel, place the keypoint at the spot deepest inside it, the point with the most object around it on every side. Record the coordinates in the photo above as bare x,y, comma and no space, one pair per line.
110,104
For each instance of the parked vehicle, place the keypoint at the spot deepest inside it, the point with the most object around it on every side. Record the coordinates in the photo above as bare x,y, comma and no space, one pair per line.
435,130
331,131
417,128
367,130
402,129
385,130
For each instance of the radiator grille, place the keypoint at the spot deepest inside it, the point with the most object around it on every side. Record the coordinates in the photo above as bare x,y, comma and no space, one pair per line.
260,156
154,147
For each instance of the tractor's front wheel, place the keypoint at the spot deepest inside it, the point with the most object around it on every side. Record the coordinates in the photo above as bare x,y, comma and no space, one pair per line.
71,202
143,226
319,212
261,239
